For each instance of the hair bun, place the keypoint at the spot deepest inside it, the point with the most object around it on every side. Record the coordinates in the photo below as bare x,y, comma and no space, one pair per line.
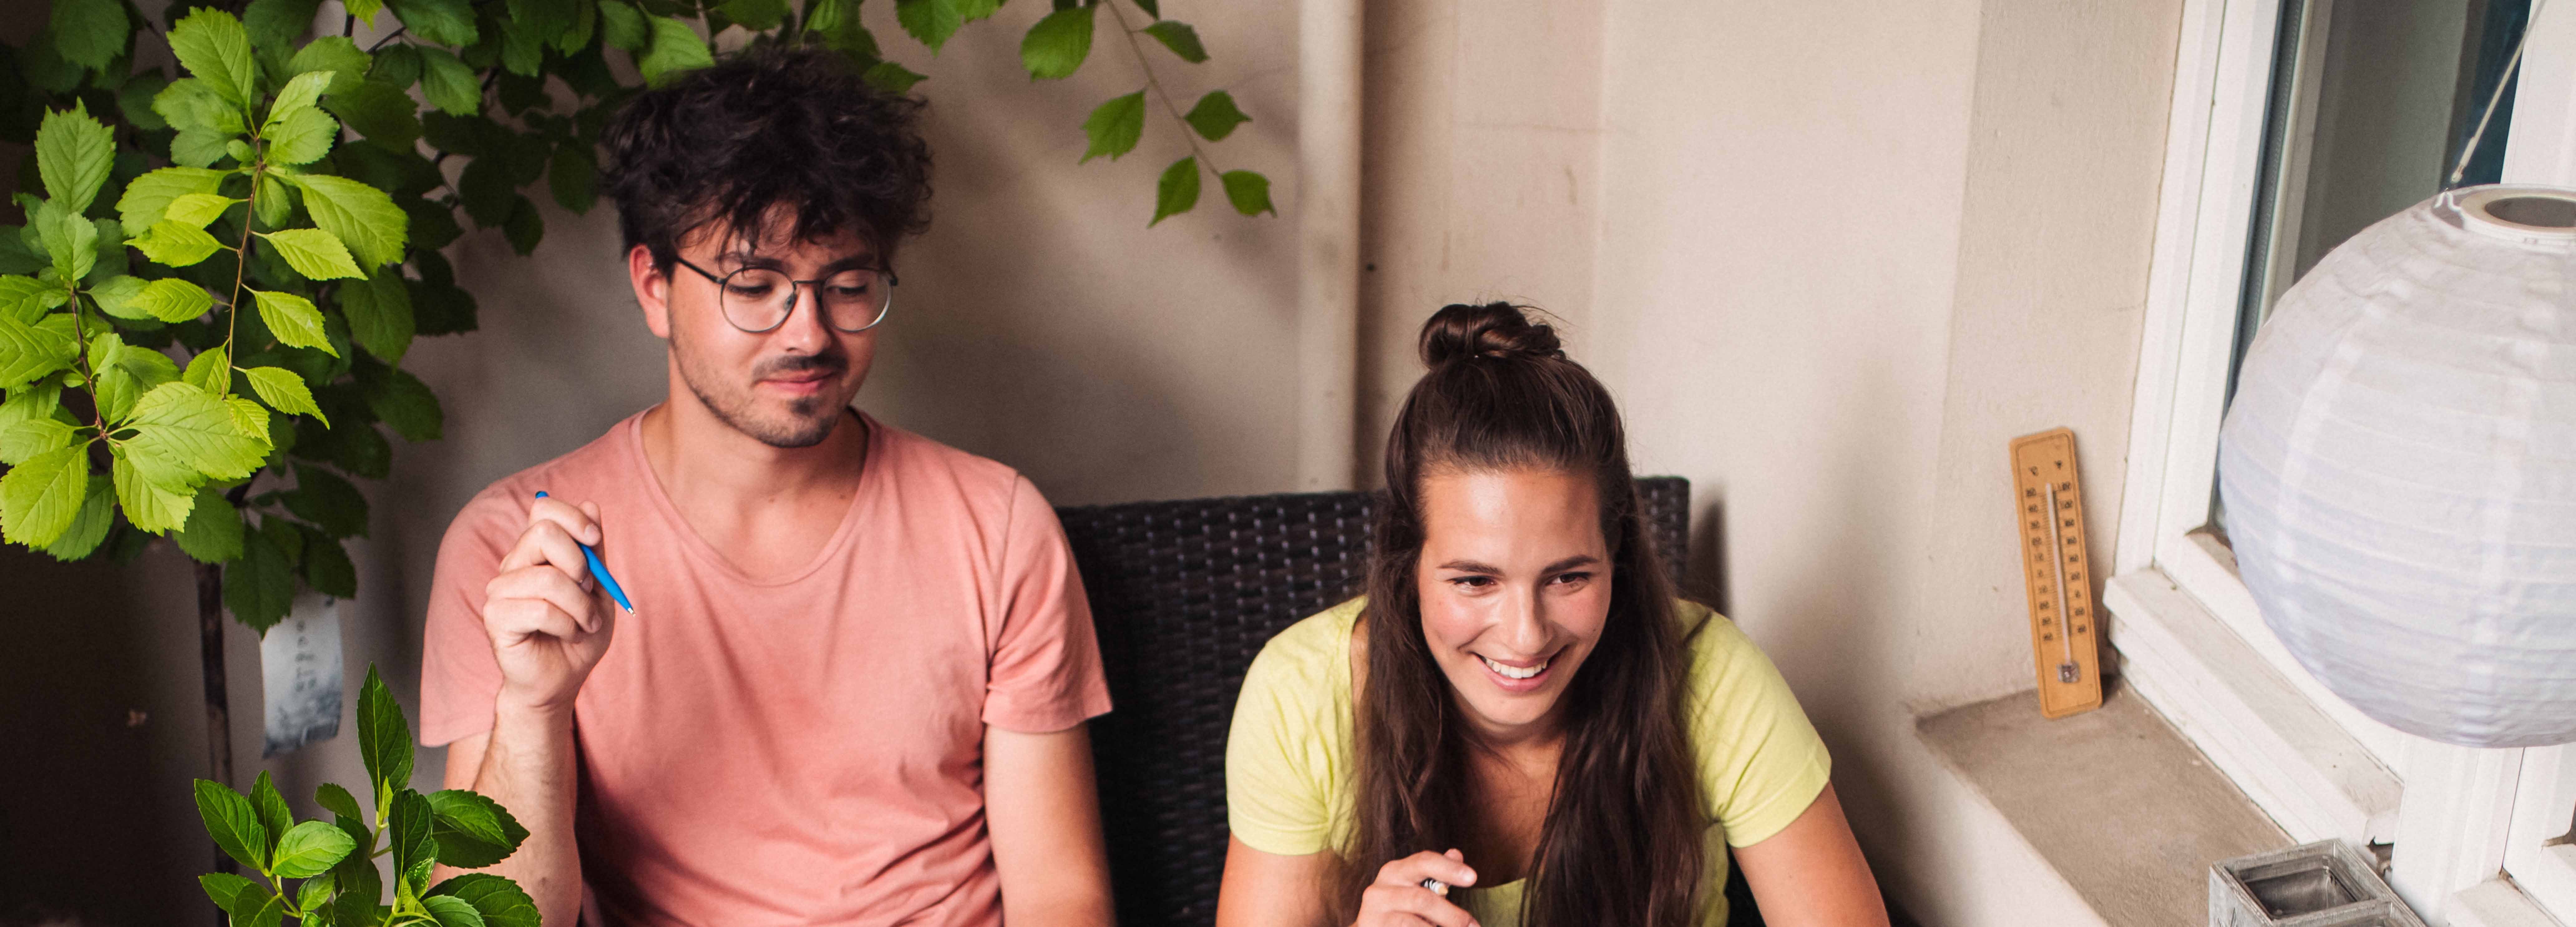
1459,331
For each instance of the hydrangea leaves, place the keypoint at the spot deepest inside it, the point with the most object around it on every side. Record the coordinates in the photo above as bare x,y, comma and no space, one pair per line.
334,859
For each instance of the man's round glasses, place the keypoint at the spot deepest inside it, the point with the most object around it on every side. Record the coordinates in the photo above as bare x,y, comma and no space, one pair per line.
757,299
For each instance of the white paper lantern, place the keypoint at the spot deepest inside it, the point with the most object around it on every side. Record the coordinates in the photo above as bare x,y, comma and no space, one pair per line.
2399,468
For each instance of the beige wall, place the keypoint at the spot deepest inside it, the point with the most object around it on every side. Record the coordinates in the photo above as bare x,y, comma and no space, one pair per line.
1830,255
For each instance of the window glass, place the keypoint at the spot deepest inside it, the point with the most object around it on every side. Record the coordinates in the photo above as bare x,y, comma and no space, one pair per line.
2372,103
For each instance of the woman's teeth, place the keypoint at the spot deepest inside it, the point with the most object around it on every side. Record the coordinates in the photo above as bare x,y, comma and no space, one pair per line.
1514,672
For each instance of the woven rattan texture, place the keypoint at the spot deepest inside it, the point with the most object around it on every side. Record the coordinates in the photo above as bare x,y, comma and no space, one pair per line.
1183,595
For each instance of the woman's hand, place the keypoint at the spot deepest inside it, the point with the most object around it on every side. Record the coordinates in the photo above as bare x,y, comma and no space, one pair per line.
1399,899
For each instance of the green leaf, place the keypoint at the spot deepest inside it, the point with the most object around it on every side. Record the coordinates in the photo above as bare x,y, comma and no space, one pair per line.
89,33
451,911
443,22
1055,47
384,736
74,153
316,254
404,402
473,831
116,295
97,514
223,887
198,148
213,47
1115,126
196,209
622,26
134,100
211,370
302,137
273,813
31,351
27,299
276,205
364,10
524,228
972,10
1216,116
327,569
1180,38
125,373
180,431
676,48
212,533
173,300
39,497
300,93
1248,191
931,21
278,22
382,112
337,800
192,104
311,849
176,244
316,894
360,885
891,77
110,250
412,825
502,902
449,84
69,239
755,15
572,178
379,314
293,320
270,912
1178,191
285,391
341,57
27,430
150,506
259,588
1153,8
230,820
362,217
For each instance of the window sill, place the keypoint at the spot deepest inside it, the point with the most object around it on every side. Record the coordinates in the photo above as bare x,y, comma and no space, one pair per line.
2115,800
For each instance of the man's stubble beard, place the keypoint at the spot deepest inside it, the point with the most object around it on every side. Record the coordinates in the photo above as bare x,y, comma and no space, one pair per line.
811,424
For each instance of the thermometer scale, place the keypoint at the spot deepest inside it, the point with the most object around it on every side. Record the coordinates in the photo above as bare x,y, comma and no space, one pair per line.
2064,632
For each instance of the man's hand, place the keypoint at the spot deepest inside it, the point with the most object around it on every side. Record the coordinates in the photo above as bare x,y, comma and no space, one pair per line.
547,626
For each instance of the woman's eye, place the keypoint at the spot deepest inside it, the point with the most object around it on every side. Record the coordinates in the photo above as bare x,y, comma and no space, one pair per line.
1571,579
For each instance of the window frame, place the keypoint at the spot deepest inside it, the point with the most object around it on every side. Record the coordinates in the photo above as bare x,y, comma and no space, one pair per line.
2189,637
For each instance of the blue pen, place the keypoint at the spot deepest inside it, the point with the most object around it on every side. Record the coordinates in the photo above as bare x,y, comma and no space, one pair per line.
600,570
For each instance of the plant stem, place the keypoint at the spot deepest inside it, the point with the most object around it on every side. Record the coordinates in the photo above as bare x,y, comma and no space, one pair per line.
390,36
1189,133
241,263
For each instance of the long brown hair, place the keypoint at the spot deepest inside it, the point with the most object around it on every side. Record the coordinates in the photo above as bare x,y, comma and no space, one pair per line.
1622,839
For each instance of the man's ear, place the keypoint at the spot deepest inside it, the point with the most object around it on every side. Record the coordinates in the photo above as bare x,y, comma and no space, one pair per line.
652,290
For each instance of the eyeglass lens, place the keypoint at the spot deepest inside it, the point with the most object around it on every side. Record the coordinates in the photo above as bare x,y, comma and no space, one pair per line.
758,298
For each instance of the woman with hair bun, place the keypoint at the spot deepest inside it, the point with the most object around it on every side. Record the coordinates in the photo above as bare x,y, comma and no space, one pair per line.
1519,724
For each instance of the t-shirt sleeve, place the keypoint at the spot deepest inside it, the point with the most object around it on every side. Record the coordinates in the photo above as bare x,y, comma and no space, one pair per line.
1761,763
1278,768
1046,673
459,678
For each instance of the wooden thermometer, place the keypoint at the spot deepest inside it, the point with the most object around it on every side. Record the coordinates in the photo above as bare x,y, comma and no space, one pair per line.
2056,569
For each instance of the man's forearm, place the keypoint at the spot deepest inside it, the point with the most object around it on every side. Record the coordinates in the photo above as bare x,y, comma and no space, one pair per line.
529,768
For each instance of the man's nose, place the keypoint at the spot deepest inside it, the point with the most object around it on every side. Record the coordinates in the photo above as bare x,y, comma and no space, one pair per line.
805,326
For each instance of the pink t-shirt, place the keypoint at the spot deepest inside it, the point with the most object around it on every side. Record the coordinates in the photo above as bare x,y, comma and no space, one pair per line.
804,750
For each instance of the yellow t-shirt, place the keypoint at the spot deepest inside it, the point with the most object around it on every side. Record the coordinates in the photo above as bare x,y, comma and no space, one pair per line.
1288,776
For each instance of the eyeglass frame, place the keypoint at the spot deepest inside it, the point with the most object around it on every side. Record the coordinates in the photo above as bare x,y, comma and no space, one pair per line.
792,291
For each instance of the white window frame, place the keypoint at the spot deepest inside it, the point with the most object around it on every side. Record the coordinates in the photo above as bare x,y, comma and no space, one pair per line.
2188,634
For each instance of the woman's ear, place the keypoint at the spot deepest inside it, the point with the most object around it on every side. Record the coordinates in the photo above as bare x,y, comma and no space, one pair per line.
652,290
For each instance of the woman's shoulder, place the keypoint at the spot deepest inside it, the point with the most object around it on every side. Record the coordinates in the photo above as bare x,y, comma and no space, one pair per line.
1314,652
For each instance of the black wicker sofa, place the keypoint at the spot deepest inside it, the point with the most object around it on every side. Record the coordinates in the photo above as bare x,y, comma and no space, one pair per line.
1183,595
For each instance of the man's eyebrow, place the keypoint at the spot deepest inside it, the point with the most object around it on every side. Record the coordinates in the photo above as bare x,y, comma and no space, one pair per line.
741,258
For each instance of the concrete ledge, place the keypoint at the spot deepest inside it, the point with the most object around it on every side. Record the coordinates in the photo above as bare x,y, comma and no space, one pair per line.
2123,808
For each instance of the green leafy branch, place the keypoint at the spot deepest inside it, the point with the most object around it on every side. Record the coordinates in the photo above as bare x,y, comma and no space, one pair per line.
333,862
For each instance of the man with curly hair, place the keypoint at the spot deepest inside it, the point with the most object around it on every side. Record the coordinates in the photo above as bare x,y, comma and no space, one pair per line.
853,684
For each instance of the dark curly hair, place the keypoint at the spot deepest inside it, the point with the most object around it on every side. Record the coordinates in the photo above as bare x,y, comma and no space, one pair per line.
765,128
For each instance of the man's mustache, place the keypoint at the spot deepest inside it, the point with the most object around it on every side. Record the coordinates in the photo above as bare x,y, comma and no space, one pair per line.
831,363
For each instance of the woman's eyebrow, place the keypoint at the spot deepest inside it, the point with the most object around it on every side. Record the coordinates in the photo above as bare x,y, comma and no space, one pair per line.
1572,562
1470,566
